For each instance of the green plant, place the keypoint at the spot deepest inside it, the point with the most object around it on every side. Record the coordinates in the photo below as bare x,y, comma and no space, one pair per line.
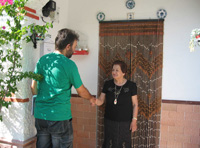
11,35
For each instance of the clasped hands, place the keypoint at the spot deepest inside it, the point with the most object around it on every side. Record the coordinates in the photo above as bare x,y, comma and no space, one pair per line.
93,101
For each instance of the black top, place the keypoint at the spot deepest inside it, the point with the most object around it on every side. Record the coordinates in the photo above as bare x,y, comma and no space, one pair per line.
123,110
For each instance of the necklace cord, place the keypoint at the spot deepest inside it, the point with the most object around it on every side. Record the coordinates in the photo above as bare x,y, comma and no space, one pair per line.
117,93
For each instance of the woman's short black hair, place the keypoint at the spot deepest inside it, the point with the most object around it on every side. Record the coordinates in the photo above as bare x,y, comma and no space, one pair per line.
122,65
65,36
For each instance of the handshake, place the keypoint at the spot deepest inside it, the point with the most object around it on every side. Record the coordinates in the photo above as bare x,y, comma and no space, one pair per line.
97,101
93,101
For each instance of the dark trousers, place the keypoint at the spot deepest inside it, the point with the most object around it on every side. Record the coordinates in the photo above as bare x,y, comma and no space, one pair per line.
116,134
54,134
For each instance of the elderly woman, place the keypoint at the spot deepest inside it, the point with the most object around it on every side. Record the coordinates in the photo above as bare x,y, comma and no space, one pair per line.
121,108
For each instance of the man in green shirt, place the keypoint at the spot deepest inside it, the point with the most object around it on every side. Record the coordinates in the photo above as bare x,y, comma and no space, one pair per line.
52,111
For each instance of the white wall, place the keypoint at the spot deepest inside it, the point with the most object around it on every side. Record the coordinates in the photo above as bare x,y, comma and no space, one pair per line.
180,69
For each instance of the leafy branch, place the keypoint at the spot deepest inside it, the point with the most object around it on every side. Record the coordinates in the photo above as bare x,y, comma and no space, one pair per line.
12,33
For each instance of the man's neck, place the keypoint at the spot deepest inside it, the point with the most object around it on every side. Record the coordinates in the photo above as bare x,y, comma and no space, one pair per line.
59,51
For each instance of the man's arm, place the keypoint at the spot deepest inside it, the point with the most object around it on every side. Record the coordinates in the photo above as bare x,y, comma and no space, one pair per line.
84,93
34,87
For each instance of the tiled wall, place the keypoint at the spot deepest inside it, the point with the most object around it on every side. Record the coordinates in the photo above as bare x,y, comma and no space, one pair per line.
180,126
84,123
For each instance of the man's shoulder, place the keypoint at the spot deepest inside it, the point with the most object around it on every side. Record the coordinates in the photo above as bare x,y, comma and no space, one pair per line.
70,63
47,56
55,56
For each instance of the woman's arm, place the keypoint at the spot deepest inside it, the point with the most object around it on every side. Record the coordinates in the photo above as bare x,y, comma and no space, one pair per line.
101,99
133,125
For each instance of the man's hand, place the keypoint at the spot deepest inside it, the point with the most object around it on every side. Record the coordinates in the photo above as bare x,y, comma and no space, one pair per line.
93,101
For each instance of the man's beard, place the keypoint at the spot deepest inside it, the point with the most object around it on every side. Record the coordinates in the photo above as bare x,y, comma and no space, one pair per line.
69,53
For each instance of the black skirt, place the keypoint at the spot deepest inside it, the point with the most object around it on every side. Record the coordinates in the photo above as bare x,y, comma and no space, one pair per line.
116,134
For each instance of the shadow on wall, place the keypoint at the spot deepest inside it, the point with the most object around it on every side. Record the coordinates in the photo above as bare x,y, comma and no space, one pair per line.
18,124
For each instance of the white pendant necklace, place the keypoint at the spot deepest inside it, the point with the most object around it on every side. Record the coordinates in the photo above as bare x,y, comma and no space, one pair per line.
117,94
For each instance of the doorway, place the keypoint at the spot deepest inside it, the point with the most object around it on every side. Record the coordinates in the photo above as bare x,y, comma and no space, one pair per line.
139,44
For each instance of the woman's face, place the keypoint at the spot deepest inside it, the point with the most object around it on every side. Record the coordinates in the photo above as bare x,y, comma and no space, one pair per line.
117,72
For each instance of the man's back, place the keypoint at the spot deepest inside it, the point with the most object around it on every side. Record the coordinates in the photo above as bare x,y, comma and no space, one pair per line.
54,91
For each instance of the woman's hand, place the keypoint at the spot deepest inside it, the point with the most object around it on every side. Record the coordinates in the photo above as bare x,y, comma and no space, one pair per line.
101,99
133,126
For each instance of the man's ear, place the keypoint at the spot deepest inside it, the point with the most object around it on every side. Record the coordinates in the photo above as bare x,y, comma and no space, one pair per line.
68,46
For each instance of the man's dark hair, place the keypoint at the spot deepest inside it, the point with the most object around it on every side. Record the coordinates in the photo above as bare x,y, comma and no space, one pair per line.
65,36
121,64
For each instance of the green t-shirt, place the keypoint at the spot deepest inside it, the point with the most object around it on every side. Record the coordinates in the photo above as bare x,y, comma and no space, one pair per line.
54,90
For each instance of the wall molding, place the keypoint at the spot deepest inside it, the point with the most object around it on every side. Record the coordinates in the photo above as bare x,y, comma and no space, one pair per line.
29,9
31,13
21,144
76,95
17,100
20,100
32,16
181,102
